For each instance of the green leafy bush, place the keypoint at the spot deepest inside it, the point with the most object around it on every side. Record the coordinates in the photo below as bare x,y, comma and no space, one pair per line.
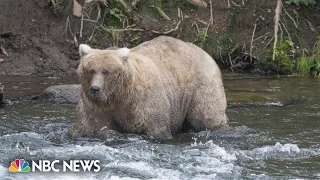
310,65
117,16
304,64
283,62
315,69
57,5
201,36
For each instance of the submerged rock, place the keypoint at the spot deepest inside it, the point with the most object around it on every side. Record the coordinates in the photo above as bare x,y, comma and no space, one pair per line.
62,94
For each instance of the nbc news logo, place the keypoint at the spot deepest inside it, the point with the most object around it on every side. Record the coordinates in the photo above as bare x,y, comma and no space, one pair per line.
20,165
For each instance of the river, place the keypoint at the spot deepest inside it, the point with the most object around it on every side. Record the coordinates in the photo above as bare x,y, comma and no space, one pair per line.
275,134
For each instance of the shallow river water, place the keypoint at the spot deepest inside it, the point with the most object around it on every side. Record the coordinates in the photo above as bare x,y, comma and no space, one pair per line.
277,137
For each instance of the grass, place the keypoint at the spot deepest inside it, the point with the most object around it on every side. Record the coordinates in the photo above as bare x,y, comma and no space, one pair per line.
57,5
304,65
310,65
316,59
316,70
284,63
201,36
117,16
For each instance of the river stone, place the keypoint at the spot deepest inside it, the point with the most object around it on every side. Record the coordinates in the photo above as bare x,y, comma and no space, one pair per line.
63,94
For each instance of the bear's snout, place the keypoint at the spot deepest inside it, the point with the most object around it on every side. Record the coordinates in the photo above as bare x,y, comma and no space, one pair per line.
95,91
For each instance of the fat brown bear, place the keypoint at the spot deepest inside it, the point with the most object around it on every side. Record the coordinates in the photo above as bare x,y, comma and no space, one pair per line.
158,88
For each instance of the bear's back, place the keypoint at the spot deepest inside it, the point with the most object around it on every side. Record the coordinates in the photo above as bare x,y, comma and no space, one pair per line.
183,60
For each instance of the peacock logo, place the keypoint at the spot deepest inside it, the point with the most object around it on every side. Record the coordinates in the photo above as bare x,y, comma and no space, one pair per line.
19,165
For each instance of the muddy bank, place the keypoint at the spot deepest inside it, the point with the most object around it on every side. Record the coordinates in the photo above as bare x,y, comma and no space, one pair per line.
34,39
40,40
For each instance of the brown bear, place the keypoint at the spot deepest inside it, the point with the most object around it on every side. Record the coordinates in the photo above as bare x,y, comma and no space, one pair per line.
157,88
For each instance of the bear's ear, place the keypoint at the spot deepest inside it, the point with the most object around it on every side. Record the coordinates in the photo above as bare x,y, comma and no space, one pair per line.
124,53
84,49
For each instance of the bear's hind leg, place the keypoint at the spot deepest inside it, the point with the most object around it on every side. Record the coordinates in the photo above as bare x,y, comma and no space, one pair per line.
207,110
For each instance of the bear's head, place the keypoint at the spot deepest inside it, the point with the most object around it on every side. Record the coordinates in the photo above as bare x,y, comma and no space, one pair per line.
102,72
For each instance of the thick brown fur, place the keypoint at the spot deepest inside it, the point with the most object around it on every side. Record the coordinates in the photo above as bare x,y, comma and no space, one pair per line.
156,88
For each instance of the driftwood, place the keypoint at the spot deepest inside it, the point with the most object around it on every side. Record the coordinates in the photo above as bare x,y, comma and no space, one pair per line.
163,14
125,5
3,51
199,3
252,39
170,31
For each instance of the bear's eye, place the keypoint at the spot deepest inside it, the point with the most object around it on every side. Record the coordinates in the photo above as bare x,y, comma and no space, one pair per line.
92,71
105,72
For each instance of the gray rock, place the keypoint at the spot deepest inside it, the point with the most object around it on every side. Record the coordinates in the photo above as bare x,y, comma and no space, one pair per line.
63,94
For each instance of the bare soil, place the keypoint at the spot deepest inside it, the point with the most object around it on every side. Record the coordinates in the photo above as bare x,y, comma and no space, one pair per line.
34,39
37,41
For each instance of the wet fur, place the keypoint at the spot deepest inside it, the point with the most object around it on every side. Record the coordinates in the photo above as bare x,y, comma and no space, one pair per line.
156,88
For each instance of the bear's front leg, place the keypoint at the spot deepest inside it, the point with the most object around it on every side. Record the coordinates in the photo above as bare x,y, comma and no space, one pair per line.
159,132
89,119
156,116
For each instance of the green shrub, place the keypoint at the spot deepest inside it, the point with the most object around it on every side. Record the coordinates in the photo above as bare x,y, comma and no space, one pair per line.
283,62
201,36
117,16
315,69
57,5
304,65
310,65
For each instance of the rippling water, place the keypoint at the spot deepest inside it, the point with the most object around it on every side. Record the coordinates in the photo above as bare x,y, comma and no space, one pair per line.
278,139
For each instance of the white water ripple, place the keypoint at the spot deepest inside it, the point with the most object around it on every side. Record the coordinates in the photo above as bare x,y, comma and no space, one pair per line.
141,159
